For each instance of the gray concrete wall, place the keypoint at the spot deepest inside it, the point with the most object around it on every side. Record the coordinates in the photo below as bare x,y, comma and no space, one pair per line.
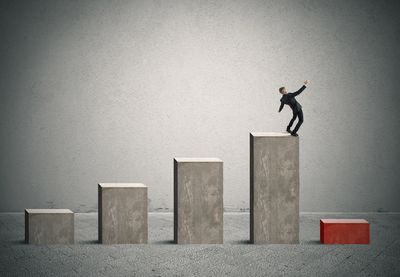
111,91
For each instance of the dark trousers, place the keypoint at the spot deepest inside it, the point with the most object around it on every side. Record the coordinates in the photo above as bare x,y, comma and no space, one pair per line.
296,114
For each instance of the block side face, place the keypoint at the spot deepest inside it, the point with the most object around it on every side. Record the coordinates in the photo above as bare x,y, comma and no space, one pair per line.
275,178
124,216
199,190
26,227
99,214
145,224
251,191
176,197
52,228
321,231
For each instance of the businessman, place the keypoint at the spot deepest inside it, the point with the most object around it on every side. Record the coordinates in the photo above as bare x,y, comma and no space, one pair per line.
289,99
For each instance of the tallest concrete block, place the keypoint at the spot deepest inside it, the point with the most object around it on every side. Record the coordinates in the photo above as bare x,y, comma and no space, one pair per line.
274,188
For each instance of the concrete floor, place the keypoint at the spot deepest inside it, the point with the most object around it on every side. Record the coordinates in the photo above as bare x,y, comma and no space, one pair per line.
236,257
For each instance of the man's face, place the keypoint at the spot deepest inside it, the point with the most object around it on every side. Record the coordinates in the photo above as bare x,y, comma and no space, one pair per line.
284,91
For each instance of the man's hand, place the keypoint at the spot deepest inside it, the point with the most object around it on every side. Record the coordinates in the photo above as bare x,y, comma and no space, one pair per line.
306,82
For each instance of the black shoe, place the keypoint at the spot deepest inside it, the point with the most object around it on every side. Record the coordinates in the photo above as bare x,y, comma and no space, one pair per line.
288,130
294,134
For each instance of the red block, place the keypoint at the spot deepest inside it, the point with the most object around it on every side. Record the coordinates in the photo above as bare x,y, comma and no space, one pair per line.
344,231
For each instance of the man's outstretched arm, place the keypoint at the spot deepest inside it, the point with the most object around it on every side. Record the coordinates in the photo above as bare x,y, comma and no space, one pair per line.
301,89
281,107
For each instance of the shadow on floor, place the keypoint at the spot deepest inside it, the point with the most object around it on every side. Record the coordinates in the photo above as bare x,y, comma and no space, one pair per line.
93,241
163,242
245,241
306,242
18,241
311,242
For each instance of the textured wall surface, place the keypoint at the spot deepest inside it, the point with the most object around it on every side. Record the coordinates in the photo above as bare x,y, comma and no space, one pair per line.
111,91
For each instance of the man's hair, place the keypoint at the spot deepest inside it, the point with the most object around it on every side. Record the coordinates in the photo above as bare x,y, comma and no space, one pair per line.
281,89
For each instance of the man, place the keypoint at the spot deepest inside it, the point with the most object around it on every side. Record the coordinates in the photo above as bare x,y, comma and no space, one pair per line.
289,99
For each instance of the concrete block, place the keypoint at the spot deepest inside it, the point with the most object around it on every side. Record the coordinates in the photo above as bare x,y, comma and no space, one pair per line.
198,200
122,213
344,231
274,188
49,226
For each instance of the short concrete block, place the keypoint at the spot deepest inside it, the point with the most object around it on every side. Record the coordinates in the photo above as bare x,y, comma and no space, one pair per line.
274,188
198,200
49,226
122,213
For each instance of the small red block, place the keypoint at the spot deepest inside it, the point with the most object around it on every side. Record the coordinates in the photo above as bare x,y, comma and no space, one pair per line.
344,231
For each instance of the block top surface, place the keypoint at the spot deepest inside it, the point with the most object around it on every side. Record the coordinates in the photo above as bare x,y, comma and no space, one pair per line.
49,211
343,221
197,160
122,185
270,134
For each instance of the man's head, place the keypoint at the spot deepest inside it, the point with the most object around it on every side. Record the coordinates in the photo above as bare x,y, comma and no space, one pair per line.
282,90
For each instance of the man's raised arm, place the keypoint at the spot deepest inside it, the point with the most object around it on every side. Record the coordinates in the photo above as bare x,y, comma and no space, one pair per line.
301,89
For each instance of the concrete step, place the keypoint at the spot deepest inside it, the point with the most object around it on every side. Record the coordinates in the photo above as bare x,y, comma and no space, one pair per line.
122,213
198,200
49,226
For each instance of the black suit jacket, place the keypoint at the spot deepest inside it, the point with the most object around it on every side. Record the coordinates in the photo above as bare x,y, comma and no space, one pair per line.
289,99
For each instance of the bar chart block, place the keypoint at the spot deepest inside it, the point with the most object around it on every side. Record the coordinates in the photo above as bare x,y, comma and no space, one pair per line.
274,188
198,201
122,213
49,226
344,231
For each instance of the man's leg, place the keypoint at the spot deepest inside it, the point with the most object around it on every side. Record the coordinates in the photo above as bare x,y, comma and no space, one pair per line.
291,121
301,119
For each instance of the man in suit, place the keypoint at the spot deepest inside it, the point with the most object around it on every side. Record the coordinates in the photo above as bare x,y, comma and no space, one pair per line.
289,99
